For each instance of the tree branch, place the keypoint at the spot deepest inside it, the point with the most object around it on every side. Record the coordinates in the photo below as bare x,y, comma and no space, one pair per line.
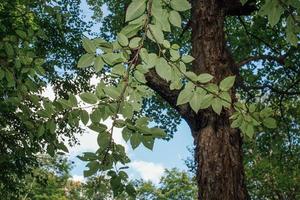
280,60
162,87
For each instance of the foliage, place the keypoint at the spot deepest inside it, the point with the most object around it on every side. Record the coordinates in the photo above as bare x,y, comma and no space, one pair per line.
38,47
142,53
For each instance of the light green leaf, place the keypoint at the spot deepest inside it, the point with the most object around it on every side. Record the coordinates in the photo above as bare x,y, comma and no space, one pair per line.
135,42
158,132
207,101
86,60
180,5
135,9
204,78
112,91
88,45
155,34
217,105
226,99
163,69
131,30
227,83
119,70
187,59
113,58
166,44
184,96
249,131
98,64
197,99
89,98
175,18
122,39
140,77
174,55
270,122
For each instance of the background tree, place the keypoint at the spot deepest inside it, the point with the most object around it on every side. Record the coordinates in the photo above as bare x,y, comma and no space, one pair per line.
39,46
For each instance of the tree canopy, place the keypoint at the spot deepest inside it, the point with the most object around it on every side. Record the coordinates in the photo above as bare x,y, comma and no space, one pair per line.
230,70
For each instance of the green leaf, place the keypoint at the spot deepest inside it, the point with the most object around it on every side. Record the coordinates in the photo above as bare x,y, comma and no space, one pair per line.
131,30
155,34
119,70
184,96
126,134
175,55
63,147
273,9
113,58
204,78
122,39
89,98
187,59
249,131
163,69
112,91
135,140
84,116
96,115
226,99
89,46
103,139
21,34
148,142
135,9
207,100
270,123
244,2
98,64
227,83
158,132
197,99
86,60
135,42
180,5
175,18
140,77
217,105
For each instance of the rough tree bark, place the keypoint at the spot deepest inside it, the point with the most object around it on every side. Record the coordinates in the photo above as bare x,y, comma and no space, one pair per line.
220,173
218,152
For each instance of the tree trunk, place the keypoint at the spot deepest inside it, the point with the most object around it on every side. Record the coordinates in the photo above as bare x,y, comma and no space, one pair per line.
220,173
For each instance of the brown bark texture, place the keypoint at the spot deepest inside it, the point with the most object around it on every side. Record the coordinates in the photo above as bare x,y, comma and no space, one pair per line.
218,152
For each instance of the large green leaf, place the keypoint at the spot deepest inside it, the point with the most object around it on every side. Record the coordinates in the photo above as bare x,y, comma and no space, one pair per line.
184,96
86,60
180,5
175,18
89,98
163,69
135,9
227,83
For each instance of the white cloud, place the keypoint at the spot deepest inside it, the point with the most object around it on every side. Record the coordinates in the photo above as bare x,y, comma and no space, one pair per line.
49,92
148,171
88,140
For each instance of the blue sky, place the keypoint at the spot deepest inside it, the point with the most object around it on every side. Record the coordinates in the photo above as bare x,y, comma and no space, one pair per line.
145,164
